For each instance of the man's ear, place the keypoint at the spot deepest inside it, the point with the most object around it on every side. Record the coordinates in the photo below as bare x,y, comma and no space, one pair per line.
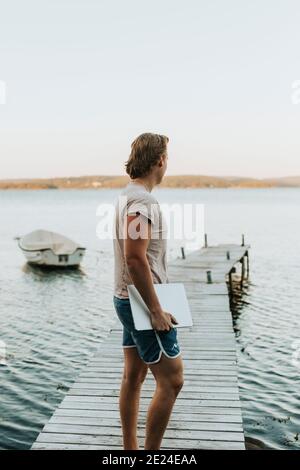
161,161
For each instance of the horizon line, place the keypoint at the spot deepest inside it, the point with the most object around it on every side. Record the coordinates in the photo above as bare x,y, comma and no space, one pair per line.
127,176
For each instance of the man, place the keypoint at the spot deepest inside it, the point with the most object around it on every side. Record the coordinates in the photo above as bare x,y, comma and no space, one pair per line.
140,250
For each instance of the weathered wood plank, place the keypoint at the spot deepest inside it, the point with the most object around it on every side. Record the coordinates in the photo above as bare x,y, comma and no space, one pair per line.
94,400
112,433
113,387
197,372
86,394
91,422
62,413
112,381
204,407
202,445
109,377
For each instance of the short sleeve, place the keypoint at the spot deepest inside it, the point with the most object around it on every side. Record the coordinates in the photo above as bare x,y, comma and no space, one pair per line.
145,207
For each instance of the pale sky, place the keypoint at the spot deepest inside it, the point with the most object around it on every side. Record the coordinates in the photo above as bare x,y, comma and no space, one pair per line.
85,77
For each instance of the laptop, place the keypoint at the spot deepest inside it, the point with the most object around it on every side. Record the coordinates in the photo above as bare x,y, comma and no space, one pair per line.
172,298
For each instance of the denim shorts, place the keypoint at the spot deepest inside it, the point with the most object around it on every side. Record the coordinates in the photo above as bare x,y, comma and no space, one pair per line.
150,344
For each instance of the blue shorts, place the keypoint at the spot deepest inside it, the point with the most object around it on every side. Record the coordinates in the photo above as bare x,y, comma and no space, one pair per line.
150,344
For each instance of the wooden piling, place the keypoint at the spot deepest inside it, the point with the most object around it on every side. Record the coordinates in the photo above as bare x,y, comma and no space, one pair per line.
248,269
242,270
205,240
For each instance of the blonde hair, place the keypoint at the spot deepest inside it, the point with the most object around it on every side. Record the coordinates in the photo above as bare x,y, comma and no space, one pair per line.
146,150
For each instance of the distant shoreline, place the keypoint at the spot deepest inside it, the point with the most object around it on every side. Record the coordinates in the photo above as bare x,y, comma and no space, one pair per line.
180,181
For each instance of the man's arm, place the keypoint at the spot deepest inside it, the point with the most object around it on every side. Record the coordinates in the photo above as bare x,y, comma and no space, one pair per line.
135,250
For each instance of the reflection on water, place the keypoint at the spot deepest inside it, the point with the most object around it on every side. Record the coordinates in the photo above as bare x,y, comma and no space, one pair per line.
268,380
48,273
52,321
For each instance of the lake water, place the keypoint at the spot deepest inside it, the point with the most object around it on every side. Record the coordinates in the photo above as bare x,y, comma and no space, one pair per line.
53,322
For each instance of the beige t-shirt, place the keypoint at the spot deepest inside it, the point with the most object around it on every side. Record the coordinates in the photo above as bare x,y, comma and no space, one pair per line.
136,198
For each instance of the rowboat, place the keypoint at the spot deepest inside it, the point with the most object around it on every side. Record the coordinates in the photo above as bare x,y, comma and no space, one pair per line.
45,248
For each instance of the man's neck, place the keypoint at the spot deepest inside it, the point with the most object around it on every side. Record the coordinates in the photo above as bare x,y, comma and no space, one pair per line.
149,183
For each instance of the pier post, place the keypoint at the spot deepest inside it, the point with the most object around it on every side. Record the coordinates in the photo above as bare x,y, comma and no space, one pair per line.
205,240
247,257
233,270
230,284
182,252
243,240
242,271
208,276
228,254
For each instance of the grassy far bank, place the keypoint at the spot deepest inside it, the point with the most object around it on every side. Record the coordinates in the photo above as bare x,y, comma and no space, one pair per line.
178,181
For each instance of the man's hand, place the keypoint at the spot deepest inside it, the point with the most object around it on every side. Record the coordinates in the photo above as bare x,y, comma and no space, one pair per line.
163,321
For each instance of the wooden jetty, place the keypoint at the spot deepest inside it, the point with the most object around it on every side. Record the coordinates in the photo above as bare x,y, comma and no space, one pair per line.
207,413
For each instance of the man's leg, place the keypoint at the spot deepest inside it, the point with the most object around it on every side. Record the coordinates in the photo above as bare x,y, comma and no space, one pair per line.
135,371
168,374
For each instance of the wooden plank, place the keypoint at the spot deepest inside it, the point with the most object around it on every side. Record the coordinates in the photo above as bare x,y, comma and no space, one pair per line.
212,362
189,383
199,379
197,372
150,386
189,364
91,393
187,351
114,414
202,445
204,407
92,422
109,400
107,434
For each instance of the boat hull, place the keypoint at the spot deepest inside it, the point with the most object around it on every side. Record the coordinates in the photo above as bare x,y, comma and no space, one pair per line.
48,258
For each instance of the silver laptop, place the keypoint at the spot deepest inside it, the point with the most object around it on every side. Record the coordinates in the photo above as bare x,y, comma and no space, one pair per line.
172,298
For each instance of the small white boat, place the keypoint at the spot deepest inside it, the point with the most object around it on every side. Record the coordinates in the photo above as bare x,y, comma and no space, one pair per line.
50,249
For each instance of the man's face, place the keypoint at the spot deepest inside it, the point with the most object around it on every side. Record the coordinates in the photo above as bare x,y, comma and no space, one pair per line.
165,161
160,170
